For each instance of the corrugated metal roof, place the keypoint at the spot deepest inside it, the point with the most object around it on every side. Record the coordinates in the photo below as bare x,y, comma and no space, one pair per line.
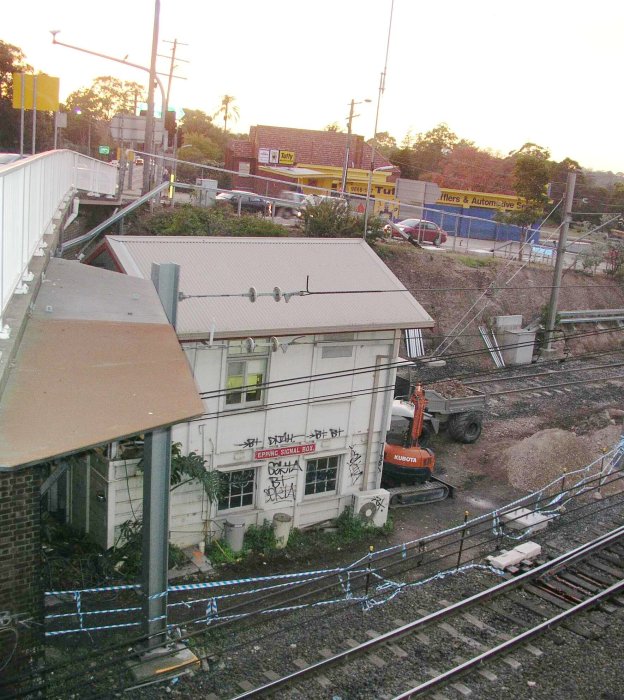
230,266
98,362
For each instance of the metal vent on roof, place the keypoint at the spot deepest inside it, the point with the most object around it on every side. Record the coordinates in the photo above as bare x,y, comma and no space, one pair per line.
330,351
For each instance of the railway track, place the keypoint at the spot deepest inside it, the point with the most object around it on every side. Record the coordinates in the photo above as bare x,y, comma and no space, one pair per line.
456,646
565,380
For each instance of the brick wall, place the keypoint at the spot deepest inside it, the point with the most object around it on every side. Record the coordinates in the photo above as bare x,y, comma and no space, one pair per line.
20,564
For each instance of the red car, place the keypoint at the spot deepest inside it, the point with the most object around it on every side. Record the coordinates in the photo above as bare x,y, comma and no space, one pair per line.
419,230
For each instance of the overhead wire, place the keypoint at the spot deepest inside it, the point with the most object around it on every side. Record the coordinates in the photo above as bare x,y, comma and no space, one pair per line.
367,369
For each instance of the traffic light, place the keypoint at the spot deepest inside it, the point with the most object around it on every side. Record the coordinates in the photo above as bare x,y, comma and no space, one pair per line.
170,124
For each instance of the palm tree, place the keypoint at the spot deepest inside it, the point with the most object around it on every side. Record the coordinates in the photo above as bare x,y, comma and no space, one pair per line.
226,109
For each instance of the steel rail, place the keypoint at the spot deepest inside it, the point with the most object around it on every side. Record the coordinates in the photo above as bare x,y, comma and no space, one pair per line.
506,646
564,559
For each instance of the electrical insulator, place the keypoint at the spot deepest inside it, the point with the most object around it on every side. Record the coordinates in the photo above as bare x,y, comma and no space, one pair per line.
253,294
277,294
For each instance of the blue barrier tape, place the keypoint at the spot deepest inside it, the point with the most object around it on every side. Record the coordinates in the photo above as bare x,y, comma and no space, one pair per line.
91,612
103,589
56,633
576,490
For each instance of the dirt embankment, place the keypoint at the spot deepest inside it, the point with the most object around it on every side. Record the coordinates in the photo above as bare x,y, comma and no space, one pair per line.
447,285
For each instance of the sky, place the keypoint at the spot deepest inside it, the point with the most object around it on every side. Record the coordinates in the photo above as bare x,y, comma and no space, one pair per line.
500,73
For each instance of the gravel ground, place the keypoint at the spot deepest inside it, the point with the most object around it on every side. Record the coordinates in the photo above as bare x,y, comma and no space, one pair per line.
569,667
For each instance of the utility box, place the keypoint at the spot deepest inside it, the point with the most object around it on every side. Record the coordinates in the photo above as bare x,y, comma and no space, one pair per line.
516,343
206,192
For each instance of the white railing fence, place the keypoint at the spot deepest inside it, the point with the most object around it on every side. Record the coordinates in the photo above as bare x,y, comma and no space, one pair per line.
32,191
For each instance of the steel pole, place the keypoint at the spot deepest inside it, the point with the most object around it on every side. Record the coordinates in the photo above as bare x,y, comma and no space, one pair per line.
156,485
149,119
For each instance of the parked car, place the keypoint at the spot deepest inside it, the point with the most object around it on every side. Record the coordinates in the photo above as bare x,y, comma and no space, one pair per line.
8,158
138,161
288,203
250,202
313,200
419,230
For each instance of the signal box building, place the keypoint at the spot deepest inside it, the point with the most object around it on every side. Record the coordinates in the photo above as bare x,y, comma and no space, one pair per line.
296,379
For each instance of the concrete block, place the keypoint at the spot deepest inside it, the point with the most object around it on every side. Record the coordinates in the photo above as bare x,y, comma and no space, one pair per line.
507,559
522,519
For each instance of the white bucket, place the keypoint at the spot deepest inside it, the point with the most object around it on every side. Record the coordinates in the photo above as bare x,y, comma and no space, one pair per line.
282,525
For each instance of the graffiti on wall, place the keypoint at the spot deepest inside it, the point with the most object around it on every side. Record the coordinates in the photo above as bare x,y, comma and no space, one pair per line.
286,438
354,465
282,480
248,443
323,433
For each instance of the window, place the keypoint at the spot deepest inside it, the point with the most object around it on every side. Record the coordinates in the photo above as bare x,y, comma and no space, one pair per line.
236,488
321,475
244,380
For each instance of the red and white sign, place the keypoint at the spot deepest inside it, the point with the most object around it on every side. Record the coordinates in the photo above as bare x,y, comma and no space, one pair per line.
285,451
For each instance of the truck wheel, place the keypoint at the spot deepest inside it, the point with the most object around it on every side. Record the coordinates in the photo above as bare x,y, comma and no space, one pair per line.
465,427
425,435
285,213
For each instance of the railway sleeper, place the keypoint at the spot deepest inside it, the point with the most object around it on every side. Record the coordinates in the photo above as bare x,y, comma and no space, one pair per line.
580,582
586,632
614,559
595,573
617,574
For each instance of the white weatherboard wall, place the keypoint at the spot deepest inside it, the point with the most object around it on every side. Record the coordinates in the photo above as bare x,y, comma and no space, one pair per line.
351,424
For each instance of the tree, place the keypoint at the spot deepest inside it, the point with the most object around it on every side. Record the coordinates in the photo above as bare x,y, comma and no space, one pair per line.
90,109
12,60
106,97
532,168
226,109
384,143
421,158
197,122
334,127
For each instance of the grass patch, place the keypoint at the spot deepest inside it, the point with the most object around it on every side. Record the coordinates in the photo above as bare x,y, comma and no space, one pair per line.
476,262
259,546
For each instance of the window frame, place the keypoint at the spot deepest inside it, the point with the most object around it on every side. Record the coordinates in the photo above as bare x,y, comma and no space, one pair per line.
245,358
227,471
339,457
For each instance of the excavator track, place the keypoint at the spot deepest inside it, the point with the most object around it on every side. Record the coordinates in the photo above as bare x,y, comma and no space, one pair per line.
419,494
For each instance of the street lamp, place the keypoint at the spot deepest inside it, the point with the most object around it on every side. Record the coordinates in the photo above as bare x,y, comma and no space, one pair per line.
345,169
381,168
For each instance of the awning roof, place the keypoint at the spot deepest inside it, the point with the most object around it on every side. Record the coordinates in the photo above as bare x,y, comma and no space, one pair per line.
293,172
98,362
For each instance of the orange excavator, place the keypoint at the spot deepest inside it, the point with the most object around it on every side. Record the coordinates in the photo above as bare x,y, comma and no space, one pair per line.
408,467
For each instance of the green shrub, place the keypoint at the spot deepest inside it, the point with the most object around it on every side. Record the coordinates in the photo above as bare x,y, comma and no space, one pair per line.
188,220
260,538
220,553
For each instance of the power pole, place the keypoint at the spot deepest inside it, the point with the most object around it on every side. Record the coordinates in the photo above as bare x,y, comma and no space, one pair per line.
343,185
149,119
561,248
